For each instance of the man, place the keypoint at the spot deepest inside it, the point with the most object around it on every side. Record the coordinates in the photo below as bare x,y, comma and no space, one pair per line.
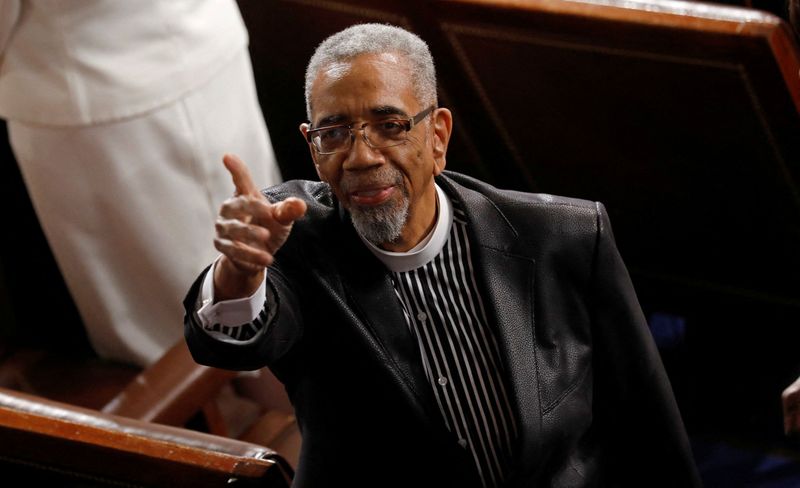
430,329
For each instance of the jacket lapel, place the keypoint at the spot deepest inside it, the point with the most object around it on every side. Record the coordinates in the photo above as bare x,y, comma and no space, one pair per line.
506,270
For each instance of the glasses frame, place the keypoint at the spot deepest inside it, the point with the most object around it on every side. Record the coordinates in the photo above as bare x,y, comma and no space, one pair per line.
408,124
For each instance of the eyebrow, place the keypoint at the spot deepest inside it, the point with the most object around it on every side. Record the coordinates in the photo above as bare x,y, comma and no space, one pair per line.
388,110
330,120
379,111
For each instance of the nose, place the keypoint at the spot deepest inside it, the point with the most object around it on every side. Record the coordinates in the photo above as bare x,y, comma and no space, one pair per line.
361,156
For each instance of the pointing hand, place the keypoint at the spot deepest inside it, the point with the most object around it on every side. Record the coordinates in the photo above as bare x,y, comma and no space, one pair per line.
249,231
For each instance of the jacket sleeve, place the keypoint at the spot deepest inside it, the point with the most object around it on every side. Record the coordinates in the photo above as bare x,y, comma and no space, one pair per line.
636,408
283,329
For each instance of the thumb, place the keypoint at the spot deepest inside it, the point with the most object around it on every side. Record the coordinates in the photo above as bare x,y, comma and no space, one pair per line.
289,210
241,175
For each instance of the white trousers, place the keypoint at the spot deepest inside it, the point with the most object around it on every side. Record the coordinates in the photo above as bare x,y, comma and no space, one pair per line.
128,207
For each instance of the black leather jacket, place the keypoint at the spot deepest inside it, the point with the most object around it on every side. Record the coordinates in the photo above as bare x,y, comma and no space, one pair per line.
592,400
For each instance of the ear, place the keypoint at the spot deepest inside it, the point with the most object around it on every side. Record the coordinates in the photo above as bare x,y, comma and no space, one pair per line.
442,121
304,127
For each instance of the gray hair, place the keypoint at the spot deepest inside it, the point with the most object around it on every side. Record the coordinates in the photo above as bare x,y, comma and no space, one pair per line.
375,39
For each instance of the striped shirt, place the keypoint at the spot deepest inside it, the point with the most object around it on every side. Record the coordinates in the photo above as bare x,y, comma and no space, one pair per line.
460,354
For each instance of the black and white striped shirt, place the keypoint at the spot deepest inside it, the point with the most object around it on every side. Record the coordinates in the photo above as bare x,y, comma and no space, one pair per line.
461,358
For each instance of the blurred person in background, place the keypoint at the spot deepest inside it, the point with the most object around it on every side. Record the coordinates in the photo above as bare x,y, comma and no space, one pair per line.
118,114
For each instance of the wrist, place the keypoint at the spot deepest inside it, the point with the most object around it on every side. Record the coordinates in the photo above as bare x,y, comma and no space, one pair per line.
232,282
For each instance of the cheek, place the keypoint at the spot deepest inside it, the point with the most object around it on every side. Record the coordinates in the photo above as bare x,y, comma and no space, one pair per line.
418,145
328,172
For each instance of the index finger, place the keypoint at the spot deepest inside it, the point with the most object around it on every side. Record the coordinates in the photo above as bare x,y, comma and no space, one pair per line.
241,175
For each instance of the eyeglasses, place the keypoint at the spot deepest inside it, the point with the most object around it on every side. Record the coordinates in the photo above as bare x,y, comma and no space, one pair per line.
384,133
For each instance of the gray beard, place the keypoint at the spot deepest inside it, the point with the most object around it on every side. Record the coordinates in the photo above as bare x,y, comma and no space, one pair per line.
381,224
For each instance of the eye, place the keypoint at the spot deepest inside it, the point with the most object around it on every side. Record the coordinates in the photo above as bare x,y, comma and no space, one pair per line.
334,134
391,127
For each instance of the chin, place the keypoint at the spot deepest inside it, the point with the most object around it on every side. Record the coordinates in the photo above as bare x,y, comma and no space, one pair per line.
380,224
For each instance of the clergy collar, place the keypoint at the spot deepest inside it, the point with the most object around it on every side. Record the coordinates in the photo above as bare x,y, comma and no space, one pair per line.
427,249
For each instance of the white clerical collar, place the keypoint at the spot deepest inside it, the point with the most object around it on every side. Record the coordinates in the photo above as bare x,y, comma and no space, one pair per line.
427,249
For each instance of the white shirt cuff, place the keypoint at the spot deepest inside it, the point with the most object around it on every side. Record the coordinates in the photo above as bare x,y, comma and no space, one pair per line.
229,313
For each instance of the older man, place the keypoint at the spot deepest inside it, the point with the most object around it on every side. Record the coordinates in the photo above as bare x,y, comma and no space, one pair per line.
432,330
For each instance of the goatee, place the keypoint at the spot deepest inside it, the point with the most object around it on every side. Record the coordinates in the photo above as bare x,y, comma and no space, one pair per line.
380,224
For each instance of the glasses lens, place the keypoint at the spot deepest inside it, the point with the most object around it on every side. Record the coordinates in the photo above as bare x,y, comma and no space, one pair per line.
386,133
332,139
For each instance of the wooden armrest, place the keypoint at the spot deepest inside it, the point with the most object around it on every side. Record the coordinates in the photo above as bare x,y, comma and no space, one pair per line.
279,430
74,442
175,389
171,390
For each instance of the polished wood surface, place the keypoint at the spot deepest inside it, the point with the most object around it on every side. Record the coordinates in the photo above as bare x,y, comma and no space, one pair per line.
76,443
170,391
175,390
680,17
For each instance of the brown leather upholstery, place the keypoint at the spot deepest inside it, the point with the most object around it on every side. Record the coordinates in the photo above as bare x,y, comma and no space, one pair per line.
64,444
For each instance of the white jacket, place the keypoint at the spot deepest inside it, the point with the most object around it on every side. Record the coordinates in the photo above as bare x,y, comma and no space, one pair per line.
78,62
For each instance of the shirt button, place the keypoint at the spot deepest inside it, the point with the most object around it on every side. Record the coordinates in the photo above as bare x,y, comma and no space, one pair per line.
421,316
462,443
442,380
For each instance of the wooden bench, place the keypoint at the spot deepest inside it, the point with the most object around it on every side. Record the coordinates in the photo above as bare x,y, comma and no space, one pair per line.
173,391
56,444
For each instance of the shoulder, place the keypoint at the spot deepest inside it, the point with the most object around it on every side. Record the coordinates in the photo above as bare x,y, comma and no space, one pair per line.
524,210
322,219
317,195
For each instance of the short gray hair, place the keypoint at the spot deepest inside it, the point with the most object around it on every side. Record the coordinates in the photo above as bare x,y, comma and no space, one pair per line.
375,39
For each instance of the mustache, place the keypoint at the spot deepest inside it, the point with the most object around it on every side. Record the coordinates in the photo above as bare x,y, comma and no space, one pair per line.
385,176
